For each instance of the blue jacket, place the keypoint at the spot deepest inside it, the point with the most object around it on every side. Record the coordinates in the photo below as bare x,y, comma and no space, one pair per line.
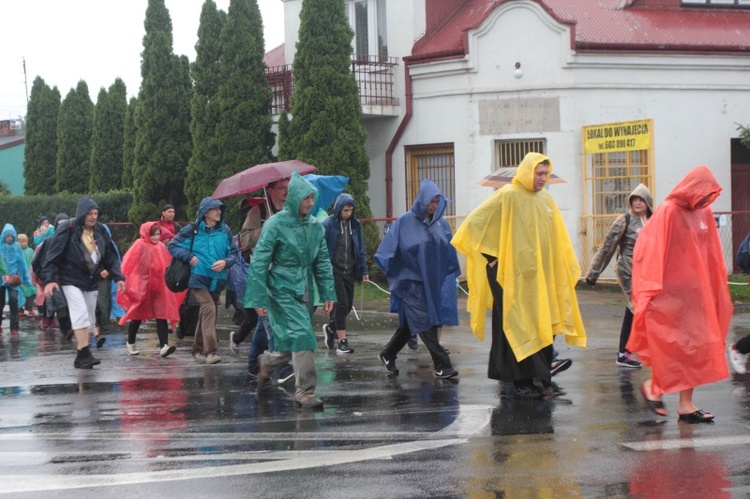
64,260
209,246
332,227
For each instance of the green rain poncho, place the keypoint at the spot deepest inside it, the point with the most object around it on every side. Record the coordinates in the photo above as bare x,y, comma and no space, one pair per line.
290,259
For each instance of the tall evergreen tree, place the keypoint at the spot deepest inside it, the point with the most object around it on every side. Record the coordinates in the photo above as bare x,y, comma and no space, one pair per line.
40,154
108,137
203,168
128,146
245,126
162,145
325,129
74,127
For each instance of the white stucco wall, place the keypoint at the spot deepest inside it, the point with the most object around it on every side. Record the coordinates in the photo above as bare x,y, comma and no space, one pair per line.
694,100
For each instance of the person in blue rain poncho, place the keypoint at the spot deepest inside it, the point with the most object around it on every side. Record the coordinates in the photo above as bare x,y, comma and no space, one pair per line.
15,261
289,261
417,258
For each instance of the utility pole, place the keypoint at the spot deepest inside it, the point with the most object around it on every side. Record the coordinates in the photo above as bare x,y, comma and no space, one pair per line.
25,82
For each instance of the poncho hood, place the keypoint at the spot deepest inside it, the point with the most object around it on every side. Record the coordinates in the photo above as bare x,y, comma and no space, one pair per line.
145,231
9,230
299,189
696,185
641,191
427,192
85,205
525,174
209,204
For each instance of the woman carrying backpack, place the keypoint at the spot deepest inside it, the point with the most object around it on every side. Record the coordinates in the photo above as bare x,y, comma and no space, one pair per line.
622,235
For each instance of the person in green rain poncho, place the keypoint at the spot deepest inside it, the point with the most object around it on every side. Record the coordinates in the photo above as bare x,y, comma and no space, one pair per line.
290,259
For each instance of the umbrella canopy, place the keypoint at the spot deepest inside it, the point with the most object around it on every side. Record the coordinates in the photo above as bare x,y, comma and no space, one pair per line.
259,176
505,175
329,186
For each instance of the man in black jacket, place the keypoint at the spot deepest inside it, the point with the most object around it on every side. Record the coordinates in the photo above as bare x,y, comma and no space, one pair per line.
80,254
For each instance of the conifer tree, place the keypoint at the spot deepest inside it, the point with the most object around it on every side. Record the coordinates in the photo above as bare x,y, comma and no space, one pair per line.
74,126
162,145
325,128
203,168
107,138
244,93
40,154
128,146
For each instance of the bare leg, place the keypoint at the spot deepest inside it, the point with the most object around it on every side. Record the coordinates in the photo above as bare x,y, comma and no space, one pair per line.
686,403
82,337
654,402
341,333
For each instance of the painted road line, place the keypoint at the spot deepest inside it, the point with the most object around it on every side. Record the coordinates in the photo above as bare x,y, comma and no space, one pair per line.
687,443
470,421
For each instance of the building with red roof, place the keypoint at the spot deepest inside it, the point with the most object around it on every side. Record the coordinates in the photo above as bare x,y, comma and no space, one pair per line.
616,92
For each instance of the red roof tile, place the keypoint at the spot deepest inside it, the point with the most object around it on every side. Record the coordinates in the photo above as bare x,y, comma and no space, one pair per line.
607,25
275,57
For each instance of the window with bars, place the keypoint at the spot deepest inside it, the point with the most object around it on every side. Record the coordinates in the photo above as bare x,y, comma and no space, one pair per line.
436,162
511,152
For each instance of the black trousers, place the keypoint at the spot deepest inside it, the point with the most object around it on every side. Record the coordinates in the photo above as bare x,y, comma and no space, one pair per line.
440,357
247,326
503,365
627,325
162,331
344,300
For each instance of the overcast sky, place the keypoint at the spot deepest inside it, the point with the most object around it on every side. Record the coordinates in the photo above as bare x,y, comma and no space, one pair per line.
94,40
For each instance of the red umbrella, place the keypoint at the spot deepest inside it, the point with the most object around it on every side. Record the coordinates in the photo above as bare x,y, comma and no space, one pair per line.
259,176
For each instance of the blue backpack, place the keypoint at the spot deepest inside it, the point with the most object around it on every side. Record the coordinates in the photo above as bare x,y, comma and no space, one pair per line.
743,255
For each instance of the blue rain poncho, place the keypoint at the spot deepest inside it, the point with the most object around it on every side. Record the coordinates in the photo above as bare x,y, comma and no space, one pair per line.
421,265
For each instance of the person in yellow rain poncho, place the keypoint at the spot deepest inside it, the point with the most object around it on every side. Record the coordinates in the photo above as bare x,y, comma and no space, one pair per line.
521,263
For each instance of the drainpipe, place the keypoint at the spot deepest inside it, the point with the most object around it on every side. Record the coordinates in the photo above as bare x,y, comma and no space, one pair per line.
394,142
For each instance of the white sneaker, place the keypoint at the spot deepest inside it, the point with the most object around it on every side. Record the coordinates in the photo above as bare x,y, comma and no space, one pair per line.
167,350
738,360
131,348
212,358
234,347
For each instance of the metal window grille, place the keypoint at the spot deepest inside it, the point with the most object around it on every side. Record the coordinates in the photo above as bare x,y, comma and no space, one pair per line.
436,162
614,176
511,152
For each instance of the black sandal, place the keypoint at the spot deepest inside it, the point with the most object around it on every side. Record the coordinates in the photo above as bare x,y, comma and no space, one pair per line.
696,417
654,405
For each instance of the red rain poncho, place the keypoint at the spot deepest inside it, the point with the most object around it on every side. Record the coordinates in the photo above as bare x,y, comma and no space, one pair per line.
680,293
146,294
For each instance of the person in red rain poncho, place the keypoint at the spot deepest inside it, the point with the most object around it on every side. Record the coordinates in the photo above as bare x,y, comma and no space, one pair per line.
681,298
148,296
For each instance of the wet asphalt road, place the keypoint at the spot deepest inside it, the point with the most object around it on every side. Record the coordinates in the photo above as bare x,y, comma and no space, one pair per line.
150,427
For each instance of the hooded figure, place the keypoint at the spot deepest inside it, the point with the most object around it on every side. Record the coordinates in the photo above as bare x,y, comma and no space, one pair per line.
680,295
76,258
147,296
15,261
346,248
520,262
289,261
207,245
291,257
622,235
418,260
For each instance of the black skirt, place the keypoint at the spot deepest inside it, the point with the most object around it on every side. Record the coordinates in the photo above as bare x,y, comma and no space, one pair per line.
503,365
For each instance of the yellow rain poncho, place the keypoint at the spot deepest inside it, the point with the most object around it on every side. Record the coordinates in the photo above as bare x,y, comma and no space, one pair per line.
537,267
